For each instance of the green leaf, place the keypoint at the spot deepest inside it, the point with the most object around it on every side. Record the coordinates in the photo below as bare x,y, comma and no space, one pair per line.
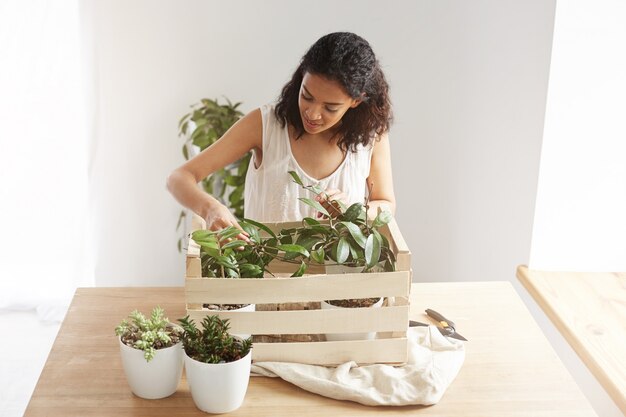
300,270
234,180
228,232
294,249
231,272
242,166
250,270
296,178
343,250
202,234
261,226
209,246
383,240
205,238
318,255
372,250
316,205
226,261
353,250
382,219
185,152
325,230
389,266
252,231
181,216
352,213
307,241
183,119
197,133
310,221
236,196
356,233
234,244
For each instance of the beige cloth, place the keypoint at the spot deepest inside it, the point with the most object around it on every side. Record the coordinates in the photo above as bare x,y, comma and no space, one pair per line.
433,363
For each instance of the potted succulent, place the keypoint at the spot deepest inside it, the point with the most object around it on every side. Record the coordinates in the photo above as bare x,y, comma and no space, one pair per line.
217,364
151,352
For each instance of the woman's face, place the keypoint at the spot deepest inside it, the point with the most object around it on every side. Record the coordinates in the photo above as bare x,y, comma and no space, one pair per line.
322,103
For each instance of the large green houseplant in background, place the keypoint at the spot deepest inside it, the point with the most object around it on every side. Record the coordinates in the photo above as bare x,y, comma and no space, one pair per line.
201,127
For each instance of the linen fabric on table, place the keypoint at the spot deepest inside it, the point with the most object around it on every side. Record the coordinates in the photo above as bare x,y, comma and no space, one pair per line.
433,362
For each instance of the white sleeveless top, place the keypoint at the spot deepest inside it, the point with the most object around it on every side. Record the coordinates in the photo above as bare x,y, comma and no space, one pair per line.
270,193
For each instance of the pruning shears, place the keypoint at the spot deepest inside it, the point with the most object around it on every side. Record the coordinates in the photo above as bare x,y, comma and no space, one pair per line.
446,327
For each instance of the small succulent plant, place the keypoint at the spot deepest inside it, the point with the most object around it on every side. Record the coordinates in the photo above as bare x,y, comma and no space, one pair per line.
148,334
212,343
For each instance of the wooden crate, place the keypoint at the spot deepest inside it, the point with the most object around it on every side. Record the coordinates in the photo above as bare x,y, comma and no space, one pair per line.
390,321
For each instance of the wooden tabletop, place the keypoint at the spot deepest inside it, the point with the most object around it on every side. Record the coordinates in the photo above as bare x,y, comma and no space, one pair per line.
589,309
510,368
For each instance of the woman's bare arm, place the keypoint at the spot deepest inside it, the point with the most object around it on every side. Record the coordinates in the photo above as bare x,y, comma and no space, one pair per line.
380,180
245,135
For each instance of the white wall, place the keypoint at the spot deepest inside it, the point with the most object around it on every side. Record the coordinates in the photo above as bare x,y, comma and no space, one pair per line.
580,220
468,82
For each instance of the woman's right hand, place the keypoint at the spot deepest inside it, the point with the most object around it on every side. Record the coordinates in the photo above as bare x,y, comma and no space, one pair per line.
220,217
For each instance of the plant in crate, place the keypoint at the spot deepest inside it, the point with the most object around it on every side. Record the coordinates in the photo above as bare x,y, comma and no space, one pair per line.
151,352
346,239
202,127
217,364
345,242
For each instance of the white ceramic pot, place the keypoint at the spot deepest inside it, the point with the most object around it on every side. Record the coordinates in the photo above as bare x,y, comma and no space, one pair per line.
335,337
249,307
158,378
218,388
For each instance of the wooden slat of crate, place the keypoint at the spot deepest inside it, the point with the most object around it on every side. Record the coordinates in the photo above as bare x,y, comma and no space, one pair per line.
301,289
349,320
333,353
397,245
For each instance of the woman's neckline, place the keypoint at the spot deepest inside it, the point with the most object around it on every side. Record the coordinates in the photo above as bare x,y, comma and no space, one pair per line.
310,177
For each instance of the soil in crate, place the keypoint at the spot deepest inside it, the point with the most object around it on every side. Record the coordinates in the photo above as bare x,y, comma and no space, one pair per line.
354,302
223,307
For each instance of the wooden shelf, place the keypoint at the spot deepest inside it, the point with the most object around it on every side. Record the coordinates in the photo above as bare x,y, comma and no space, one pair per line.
589,309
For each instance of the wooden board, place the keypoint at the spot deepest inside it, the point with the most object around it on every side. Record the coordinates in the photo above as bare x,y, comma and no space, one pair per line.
333,353
301,289
346,320
589,309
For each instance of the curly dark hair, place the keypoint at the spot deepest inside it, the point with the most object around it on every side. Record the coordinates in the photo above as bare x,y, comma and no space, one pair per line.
348,59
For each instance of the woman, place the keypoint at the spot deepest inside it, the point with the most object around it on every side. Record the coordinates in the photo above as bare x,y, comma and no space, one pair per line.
329,125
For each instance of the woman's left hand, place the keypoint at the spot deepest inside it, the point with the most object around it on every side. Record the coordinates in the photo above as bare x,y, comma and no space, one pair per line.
330,199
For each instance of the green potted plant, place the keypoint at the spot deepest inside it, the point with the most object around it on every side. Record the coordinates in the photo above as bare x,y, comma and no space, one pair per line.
345,242
201,127
346,239
151,352
217,364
